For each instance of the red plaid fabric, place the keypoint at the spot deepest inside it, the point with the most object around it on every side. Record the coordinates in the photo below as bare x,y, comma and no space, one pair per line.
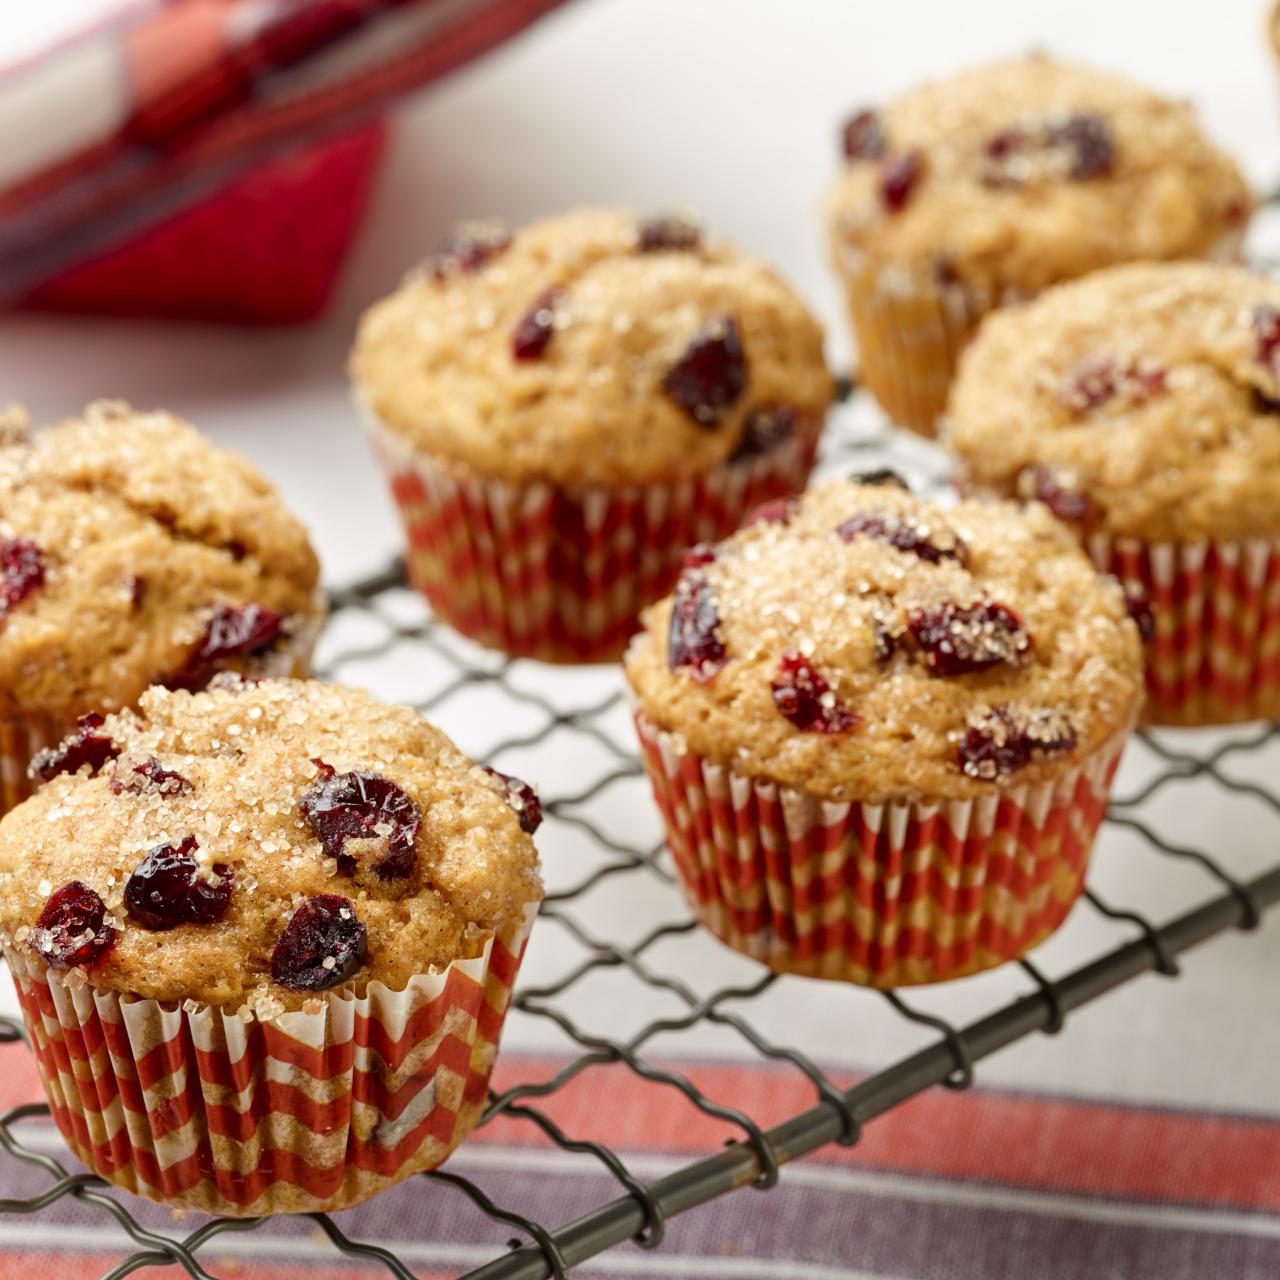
162,104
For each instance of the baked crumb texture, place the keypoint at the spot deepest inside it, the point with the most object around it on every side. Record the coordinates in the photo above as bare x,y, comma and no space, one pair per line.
239,1074
882,733
968,193
1142,406
561,410
126,542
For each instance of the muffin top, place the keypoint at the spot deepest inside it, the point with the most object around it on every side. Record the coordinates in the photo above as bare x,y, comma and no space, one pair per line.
261,842
862,644
593,348
133,551
1016,175
1143,402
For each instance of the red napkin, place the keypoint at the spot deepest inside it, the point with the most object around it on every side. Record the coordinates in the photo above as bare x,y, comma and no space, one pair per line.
210,158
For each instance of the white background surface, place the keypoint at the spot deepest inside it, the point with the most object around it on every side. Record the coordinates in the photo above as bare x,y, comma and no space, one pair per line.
730,108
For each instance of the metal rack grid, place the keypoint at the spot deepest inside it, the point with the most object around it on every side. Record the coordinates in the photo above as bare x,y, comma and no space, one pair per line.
379,625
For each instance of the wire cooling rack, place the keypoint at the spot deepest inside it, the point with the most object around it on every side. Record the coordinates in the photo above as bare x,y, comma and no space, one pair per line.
567,730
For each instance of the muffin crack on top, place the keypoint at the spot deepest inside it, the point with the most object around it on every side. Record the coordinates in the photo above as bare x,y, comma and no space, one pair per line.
596,348
860,642
324,839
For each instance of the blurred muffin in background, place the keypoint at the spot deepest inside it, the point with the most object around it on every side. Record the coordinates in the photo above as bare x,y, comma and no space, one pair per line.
1142,406
133,552
968,193
564,409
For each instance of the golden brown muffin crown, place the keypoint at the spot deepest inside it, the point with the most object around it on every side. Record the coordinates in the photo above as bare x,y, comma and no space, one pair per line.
1013,176
595,348
121,534
1141,402
259,800
863,644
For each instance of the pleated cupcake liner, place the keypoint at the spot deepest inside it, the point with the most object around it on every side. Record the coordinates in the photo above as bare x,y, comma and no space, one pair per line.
882,895
1215,656
22,737
560,574
234,1114
911,329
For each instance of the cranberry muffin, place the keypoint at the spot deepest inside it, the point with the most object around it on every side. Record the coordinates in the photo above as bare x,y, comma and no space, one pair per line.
294,914
133,552
1142,406
987,187
882,733
563,409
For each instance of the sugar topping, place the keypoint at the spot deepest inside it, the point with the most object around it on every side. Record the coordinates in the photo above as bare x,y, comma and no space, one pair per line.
591,348
1142,402
204,877
854,667
1012,176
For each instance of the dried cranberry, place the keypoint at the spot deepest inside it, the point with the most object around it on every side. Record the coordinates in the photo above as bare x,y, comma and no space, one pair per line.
1096,381
233,631
21,571
693,641
1138,605
700,554
342,807
521,797
879,476
1000,744
1266,327
669,233
959,639
1090,384
863,136
1087,139
468,251
763,431
168,888
151,776
84,746
72,928
1079,146
322,946
931,543
776,511
537,326
1046,485
802,695
898,177
711,375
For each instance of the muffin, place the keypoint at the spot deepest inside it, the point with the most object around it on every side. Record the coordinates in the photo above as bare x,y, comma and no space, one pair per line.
293,916
133,552
563,410
882,733
972,192
1142,406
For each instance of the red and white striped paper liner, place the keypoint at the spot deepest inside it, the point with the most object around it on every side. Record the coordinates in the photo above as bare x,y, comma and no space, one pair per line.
21,738
559,574
205,1108
882,895
1215,657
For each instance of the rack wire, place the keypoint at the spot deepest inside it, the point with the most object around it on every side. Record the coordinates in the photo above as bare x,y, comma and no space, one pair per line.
381,629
